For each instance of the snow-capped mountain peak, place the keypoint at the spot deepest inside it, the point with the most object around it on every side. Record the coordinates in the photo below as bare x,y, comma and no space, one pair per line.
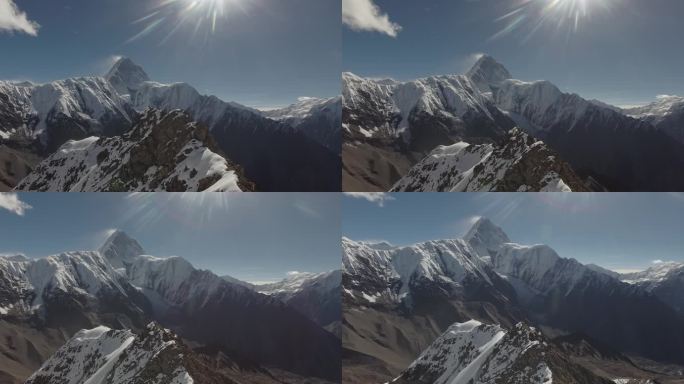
120,249
487,71
298,281
126,76
486,237
657,273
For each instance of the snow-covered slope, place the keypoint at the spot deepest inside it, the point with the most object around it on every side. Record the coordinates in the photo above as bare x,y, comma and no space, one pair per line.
207,309
665,280
27,284
126,76
276,155
658,110
376,276
666,114
61,110
319,119
505,282
299,281
518,163
316,295
487,72
476,353
387,123
387,108
164,151
103,355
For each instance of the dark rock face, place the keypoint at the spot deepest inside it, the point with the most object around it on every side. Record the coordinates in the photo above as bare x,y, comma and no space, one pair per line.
319,298
274,156
623,154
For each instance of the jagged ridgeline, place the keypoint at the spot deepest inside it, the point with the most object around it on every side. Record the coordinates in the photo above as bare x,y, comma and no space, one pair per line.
59,129
485,310
456,133
119,316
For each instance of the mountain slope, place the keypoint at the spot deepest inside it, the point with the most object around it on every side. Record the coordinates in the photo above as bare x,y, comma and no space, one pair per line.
319,119
205,308
16,162
476,353
620,152
45,301
397,301
397,298
388,126
164,151
55,112
274,154
104,355
666,114
665,280
315,295
517,163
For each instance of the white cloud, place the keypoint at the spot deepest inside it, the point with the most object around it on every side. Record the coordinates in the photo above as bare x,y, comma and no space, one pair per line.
11,202
364,15
378,198
14,20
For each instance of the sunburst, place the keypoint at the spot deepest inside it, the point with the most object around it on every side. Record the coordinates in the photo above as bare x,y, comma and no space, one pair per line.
527,17
202,18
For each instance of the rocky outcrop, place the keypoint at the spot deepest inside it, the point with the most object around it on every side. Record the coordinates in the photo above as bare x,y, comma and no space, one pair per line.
164,151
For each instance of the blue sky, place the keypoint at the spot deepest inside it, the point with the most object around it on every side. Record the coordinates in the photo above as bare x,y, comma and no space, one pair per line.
254,237
261,52
624,52
620,231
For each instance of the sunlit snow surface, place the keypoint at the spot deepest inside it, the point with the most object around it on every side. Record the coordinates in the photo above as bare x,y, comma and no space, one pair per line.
464,167
117,356
477,353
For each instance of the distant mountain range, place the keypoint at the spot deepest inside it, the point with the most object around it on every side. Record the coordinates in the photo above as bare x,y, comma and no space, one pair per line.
278,151
92,312
391,127
482,308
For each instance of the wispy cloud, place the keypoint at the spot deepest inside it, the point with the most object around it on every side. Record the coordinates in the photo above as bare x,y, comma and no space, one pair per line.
12,19
306,209
378,198
365,15
11,202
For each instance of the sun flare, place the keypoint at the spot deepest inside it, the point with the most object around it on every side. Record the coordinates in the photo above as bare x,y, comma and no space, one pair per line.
201,17
527,17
